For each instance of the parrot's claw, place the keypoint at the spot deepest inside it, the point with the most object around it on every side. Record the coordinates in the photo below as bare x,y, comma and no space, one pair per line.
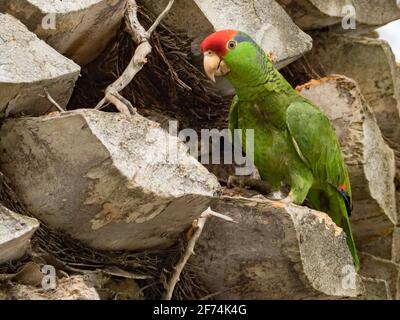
248,183
231,182
287,200
237,182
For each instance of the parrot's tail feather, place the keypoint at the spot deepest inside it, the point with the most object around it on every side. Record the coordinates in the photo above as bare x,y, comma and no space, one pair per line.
336,205
350,242
347,201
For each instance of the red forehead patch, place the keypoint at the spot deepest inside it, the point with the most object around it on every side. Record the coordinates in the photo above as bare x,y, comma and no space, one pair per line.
217,42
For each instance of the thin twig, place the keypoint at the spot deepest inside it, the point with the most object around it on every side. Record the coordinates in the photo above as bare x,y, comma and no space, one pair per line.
189,251
53,102
184,259
220,216
160,18
142,38
212,295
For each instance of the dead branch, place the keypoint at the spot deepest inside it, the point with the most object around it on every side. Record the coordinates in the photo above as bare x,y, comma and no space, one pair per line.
142,38
220,216
184,259
190,250
53,102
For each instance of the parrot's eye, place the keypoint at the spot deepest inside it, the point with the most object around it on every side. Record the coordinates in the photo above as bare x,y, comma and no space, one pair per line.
231,44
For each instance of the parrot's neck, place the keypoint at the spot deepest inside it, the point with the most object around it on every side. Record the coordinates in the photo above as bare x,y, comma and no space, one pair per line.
269,88
263,80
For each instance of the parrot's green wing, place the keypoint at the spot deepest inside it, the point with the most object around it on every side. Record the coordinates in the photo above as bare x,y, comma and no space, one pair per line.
316,143
234,115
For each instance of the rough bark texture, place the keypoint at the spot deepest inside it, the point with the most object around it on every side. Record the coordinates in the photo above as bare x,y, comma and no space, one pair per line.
15,234
120,183
71,288
378,82
317,14
28,68
82,29
111,182
377,268
375,289
273,252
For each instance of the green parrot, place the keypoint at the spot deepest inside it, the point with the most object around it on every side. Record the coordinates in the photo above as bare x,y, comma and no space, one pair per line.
294,142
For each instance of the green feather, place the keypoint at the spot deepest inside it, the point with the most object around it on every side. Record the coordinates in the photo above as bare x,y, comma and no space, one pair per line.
295,143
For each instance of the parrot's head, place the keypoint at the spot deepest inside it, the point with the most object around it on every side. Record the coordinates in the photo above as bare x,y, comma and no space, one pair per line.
236,56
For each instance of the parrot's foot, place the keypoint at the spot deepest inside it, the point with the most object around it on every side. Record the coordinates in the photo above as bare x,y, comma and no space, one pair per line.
287,200
248,183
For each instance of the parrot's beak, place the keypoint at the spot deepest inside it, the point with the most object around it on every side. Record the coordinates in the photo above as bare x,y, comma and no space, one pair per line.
214,65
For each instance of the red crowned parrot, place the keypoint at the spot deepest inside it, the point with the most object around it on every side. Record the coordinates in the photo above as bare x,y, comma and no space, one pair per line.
295,144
